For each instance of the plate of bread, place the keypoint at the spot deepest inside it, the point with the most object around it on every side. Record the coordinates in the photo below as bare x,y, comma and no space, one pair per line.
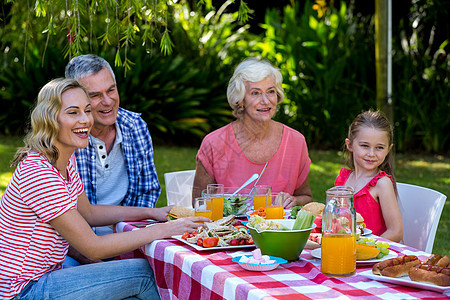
431,274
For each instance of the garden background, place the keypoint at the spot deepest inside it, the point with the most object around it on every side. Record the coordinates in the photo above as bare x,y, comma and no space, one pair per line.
173,60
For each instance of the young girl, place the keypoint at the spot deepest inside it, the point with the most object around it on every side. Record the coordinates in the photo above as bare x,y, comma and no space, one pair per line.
368,154
44,208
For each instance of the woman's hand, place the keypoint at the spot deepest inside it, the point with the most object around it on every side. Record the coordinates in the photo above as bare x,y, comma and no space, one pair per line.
302,195
183,225
290,201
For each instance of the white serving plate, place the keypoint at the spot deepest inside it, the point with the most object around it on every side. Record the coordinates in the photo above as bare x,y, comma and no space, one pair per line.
406,281
317,254
200,248
367,231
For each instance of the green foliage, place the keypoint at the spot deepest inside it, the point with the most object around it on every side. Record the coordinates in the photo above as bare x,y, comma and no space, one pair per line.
88,24
325,66
19,87
327,63
171,94
182,97
422,89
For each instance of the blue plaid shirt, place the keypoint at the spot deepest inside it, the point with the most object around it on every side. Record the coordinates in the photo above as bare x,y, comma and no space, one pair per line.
143,187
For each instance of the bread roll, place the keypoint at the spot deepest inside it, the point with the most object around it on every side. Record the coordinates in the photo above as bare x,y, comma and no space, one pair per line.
430,274
315,208
395,267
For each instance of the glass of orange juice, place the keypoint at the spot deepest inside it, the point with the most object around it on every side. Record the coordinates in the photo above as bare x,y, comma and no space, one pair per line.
215,192
261,195
338,255
203,207
274,206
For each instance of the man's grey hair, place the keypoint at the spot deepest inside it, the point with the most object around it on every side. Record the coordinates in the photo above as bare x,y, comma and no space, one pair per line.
86,65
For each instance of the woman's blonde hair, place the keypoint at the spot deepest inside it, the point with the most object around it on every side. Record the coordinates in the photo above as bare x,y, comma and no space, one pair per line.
251,70
44,120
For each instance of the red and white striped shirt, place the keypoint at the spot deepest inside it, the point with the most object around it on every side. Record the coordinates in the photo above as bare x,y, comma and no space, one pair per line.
29,245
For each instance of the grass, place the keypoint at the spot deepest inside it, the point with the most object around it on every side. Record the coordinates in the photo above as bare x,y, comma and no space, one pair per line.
432,171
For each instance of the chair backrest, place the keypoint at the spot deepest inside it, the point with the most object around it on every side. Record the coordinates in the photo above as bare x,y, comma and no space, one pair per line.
421,210
179,187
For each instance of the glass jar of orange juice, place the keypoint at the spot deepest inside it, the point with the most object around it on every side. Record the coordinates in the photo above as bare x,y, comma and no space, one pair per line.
338,253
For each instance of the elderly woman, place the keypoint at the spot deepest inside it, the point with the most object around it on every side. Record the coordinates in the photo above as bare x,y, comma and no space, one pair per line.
231,154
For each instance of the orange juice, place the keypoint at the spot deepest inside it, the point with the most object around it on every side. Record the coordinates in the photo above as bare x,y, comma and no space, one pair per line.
259,201
274,212
217,208
204,213
338,254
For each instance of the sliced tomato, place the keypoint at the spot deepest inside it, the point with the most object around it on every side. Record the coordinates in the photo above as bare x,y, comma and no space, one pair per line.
193,234
240,226
241,242
185,235
200,242
210,242
249,242
234,242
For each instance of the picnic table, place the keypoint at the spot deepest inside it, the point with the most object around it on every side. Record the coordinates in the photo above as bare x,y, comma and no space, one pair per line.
182,272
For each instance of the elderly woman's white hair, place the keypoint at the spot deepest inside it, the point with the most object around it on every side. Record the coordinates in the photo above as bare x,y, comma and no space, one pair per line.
253,70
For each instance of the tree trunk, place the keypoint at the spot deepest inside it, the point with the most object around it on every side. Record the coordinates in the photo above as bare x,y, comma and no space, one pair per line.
382,58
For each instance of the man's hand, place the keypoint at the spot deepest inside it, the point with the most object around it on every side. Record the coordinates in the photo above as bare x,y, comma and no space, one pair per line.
159,214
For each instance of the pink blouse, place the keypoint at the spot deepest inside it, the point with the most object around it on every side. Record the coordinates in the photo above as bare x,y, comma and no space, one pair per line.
224,160
364,203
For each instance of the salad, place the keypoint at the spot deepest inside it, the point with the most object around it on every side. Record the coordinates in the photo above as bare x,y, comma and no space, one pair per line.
236,205
221,233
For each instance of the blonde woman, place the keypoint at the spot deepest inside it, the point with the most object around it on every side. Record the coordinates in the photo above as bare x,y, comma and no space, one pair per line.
44,208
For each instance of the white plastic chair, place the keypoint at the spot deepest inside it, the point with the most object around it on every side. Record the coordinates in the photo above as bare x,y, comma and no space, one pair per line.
179,188
421,210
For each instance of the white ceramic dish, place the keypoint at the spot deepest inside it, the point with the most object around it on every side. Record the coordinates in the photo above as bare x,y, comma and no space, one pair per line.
200,248
318,252
367,231
406,281
260,268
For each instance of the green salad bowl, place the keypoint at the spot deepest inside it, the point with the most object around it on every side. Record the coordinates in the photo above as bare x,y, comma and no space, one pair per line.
287,244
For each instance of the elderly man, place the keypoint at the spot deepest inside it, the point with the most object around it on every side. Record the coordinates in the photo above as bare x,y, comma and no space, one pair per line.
117,167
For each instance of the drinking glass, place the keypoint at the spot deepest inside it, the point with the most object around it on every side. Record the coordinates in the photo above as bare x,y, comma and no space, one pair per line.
261,195
274,205
215,192
203,207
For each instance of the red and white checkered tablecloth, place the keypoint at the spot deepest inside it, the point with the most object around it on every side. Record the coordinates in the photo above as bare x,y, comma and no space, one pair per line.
181,272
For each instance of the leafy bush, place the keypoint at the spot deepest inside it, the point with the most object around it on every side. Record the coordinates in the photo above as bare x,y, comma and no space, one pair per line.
421,77
182,97
19,87
325,63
